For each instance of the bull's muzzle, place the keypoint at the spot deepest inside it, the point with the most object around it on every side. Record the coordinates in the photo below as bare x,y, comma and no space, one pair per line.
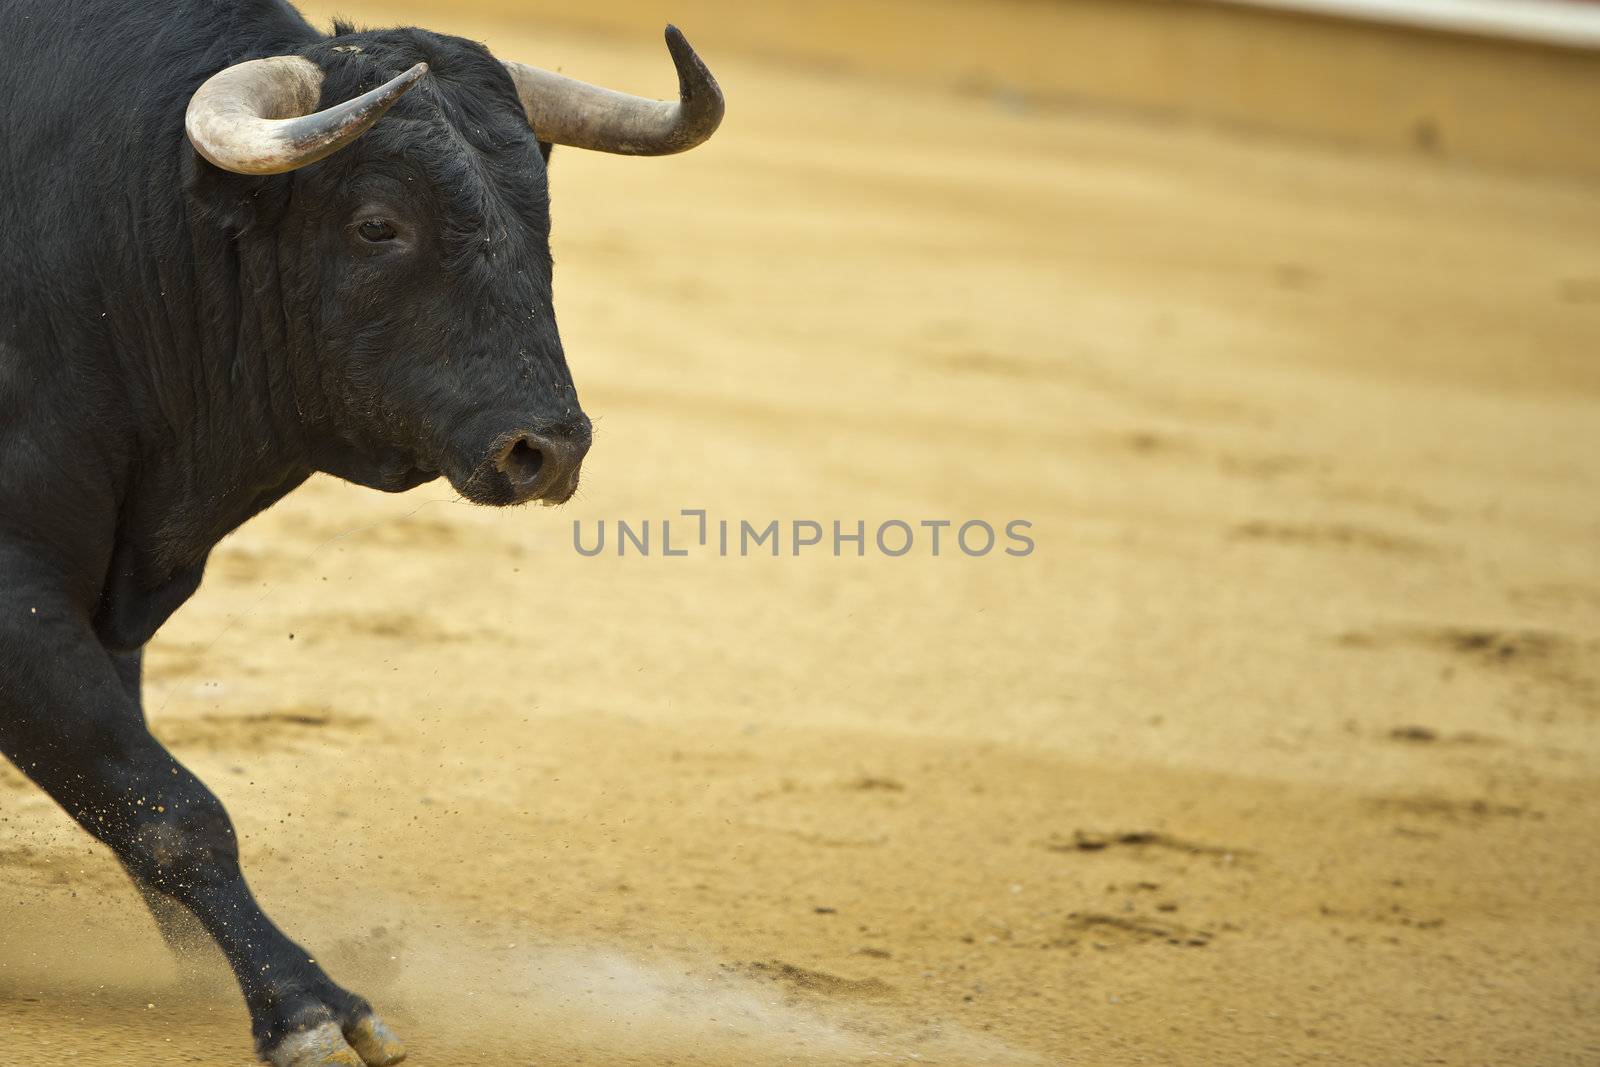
540,464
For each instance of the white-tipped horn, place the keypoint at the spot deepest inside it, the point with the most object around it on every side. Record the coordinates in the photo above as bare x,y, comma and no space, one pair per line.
261,117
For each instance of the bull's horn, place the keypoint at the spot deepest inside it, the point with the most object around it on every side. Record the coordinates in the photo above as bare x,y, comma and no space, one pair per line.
562,110
261,117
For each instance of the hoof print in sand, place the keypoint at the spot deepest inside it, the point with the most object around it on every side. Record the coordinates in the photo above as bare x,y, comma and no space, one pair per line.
804,980
1140,841
1101,931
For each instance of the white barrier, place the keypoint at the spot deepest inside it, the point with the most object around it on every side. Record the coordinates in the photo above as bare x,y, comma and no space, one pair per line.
1568,23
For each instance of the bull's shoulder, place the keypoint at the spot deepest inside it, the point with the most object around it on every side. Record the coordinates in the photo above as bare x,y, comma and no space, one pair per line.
60,478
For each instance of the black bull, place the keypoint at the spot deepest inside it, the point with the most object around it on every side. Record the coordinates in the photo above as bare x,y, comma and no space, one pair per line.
213,285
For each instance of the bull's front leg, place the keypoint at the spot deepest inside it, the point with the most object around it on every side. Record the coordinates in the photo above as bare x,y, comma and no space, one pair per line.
185,937
68,722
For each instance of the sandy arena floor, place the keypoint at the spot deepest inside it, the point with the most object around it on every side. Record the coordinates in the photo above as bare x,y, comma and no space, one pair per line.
1280,748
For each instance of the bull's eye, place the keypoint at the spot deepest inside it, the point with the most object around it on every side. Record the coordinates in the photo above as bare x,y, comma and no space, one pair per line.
376,231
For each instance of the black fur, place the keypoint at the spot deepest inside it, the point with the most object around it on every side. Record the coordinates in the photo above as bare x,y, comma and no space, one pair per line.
181,346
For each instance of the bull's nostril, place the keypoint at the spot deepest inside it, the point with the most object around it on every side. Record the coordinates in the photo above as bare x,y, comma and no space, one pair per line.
522,463
537,465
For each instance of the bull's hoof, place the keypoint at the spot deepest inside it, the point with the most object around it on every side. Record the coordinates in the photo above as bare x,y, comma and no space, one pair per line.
320,1046
368,1043
375,1042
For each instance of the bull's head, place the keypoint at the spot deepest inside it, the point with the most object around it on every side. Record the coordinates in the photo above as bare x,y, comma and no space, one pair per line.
413,266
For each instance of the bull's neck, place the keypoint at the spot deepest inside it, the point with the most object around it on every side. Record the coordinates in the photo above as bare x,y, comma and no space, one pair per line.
217,432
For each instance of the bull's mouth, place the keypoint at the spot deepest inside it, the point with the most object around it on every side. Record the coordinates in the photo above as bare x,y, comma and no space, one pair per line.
494,488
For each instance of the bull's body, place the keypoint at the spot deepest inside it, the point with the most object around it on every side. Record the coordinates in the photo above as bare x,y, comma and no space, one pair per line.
133,433
181,345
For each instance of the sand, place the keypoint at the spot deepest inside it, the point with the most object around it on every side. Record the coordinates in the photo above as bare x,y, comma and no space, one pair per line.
1280,747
